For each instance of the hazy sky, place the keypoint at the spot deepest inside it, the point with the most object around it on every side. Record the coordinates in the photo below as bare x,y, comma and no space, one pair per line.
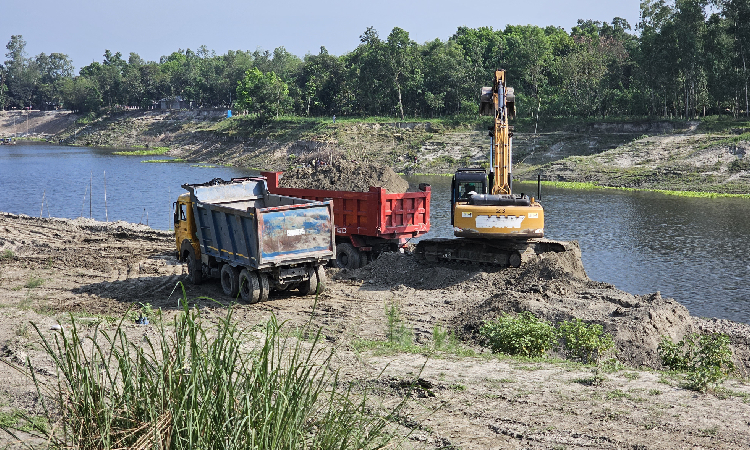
83,29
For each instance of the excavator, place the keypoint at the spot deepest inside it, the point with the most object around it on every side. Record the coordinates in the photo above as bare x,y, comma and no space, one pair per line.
494,225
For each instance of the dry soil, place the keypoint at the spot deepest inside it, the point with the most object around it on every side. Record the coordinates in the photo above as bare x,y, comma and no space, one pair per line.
98,271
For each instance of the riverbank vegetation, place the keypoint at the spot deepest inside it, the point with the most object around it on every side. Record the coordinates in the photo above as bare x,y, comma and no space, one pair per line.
684,58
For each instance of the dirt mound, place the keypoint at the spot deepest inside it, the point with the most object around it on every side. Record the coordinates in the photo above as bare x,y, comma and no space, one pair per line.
344,175
553,286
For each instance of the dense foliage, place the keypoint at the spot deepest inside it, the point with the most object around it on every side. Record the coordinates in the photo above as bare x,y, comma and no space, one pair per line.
685,58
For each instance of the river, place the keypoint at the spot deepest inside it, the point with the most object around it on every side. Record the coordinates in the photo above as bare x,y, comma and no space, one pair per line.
691,249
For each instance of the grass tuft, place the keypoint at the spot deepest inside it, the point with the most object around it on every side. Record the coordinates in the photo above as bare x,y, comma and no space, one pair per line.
195,385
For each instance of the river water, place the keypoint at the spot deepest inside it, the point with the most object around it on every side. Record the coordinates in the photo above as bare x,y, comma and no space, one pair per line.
694,250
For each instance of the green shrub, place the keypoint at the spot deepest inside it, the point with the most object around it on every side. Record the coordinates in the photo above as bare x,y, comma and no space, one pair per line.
201,386
705,358
582,341
523,334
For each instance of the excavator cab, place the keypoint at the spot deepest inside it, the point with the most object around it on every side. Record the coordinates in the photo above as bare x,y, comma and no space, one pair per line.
467,181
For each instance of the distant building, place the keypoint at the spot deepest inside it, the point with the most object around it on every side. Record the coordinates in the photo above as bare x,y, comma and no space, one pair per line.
175,103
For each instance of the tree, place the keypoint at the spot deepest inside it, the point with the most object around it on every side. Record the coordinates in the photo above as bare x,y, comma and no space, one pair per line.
262,94
53,70
21,75
81,94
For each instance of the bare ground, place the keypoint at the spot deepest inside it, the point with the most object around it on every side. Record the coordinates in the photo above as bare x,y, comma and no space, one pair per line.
97,272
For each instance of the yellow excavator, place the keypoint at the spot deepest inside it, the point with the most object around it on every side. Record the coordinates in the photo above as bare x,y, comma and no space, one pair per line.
495,225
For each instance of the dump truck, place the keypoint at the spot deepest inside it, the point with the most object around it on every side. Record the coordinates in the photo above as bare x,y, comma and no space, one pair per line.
252,240
368,223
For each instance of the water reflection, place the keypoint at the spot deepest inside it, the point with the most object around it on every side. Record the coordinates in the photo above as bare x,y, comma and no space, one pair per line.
692,249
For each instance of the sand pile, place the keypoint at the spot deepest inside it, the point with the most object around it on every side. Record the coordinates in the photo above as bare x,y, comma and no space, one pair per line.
344,175
553,286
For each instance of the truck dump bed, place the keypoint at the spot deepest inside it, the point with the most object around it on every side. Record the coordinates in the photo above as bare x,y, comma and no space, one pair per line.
375,213
240,222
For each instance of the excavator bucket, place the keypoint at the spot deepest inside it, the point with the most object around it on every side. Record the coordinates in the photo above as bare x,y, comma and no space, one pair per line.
486,105
510,102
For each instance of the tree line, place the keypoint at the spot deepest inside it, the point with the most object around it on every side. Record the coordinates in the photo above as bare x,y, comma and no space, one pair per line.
684,58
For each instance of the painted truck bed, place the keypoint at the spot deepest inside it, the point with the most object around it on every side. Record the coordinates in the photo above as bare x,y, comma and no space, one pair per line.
241,223
375,213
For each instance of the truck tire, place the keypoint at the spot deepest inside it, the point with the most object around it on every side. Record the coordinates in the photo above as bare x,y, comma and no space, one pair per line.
309,286
195,271
347,257
230,280
265,286
320,271
249,286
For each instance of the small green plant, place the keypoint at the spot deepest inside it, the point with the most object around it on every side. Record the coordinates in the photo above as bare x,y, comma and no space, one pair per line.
447,341
33,282
7,254
22,330
523,334
596,378
398,332
654,392
706,359
582,341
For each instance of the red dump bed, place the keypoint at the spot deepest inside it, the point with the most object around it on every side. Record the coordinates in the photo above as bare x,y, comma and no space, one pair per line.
373,214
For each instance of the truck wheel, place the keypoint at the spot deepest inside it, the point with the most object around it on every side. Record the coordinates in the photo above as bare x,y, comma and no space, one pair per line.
347,257
309,286
195,272
265,286
320,271
230,280
249,286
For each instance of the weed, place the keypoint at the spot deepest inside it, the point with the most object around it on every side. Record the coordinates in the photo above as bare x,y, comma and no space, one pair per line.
654,392
631,375
458,387
712,431
34,282
596,379
705,358
523,334
617,393
584,342
18,420
195,387
398,332
7,254
22,330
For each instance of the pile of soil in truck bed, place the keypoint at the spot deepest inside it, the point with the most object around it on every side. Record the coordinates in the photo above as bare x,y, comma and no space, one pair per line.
344,175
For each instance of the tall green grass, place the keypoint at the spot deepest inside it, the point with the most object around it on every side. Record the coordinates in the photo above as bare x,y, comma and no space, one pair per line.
201,386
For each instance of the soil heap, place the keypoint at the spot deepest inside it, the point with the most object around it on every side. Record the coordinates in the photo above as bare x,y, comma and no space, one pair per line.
553,286
344,175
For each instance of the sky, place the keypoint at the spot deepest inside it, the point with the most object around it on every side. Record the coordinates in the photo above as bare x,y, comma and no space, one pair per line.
84,29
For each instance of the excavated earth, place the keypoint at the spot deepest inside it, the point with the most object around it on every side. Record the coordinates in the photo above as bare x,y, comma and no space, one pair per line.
55,269
342,175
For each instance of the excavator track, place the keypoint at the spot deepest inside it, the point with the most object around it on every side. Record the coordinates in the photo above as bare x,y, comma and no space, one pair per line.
496,252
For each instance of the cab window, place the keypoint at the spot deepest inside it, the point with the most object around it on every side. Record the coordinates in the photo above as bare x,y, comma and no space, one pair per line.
183,215
465,189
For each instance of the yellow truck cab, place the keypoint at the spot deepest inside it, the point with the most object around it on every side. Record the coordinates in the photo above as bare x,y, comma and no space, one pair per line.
188,248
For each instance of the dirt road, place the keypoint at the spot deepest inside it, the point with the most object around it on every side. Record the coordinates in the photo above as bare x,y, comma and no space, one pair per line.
50,268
